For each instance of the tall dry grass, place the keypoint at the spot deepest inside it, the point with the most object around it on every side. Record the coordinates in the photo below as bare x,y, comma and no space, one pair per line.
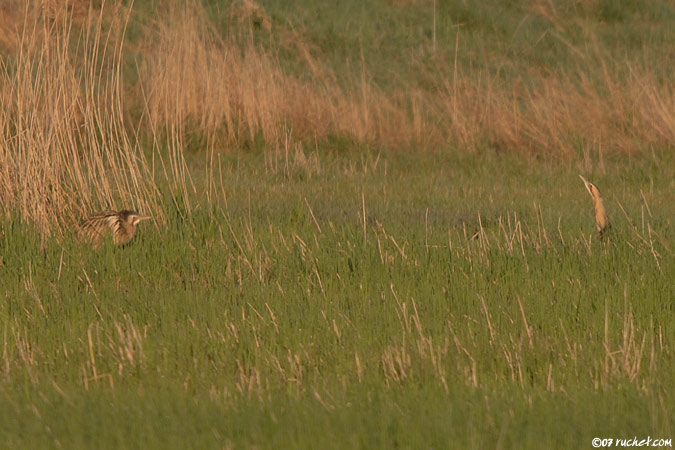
233,91
561,114
65,150
229,88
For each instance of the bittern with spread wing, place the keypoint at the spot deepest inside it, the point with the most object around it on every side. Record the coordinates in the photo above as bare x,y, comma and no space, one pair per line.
122,225
601,220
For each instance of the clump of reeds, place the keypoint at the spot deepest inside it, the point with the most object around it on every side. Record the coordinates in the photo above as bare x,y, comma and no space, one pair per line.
65,147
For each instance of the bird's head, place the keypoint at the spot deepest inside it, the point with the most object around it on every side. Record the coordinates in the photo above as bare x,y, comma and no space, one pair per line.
591,188
132,218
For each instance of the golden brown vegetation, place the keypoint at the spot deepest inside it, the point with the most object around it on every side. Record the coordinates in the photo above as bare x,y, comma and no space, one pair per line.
65,146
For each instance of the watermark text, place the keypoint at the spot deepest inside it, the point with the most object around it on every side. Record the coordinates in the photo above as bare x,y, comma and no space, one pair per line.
628,442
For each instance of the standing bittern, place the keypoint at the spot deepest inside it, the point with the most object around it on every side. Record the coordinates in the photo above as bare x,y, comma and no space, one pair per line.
601,219
121,224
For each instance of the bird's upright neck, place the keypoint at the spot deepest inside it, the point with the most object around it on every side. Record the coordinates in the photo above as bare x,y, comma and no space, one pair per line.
597,201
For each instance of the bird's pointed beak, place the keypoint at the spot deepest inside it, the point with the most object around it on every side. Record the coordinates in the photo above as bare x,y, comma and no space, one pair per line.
140,218
587,184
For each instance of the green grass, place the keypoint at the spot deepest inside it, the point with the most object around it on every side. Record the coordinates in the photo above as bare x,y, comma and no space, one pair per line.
280,316
511,39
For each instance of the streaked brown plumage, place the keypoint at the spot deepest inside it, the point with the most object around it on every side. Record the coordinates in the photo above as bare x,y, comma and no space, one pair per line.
122,225
601,220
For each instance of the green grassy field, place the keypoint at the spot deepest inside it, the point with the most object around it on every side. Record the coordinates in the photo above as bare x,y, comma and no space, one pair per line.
369,227
282,316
